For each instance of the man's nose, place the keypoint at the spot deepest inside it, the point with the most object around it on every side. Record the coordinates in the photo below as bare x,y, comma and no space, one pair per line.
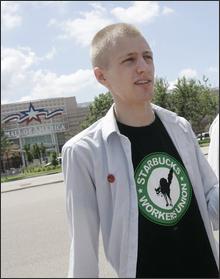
141,65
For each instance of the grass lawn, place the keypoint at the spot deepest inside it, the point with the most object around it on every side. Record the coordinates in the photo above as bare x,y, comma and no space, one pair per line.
204,144
29,175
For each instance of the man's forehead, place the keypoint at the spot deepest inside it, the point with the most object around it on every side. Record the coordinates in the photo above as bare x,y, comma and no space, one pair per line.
129,46
125,54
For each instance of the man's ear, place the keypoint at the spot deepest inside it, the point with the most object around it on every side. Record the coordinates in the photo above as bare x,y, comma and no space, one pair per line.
100,75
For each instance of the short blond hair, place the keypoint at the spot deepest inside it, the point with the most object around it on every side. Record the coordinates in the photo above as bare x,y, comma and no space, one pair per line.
106,38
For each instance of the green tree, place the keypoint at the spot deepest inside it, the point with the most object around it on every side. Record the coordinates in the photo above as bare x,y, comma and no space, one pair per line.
195,101
36,152
162,96
98,109
29,156
6,146
54,161
42,150
16,159
190,98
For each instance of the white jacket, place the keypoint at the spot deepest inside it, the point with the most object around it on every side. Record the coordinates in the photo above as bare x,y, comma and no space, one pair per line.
93,202
213,154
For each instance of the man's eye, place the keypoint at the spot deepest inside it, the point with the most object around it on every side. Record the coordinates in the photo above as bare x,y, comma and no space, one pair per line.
146,57
128,59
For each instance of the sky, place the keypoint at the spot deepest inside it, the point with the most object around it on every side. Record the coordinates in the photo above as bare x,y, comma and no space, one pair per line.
45,44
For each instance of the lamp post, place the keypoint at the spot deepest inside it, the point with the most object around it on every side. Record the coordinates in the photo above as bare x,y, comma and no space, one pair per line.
20,145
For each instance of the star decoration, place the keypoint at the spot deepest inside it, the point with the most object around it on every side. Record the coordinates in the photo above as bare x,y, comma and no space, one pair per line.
31,114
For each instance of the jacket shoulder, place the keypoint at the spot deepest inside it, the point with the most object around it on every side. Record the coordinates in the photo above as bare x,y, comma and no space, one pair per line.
85,136
168,115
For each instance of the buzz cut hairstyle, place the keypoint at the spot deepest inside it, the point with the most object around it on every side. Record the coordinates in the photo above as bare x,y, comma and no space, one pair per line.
107,38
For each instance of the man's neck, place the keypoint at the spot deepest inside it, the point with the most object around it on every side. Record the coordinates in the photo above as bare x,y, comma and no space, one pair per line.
135,115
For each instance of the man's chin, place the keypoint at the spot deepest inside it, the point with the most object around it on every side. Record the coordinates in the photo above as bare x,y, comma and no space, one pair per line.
148,93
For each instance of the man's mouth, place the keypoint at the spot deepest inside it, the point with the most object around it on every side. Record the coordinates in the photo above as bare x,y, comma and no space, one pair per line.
139,82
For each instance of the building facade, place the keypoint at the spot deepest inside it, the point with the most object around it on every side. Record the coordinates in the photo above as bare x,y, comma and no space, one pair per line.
49,121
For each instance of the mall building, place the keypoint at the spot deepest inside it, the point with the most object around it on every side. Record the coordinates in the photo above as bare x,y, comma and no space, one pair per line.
48,121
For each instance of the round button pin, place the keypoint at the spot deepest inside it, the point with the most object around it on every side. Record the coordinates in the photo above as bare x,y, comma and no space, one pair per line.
111,178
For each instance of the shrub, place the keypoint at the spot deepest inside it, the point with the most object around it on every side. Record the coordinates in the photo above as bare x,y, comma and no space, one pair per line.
207,140
54,159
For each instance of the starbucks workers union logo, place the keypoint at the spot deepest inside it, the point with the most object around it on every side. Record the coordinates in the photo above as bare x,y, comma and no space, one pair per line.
163,188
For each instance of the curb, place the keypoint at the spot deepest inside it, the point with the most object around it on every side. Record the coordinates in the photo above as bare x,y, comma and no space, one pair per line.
31,186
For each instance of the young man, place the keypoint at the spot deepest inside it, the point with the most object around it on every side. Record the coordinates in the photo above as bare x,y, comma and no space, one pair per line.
139,174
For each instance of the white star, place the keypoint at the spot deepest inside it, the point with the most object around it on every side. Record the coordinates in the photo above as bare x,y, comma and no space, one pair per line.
181,178
140,190
32,114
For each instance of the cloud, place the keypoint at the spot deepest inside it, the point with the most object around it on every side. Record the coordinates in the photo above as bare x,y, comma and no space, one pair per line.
188,73
84,28
9,15
20,80
17,59
16,73
138,12
167,11
211,73
50,85
172,84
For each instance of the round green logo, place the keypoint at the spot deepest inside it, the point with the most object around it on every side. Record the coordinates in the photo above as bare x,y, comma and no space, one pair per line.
163,189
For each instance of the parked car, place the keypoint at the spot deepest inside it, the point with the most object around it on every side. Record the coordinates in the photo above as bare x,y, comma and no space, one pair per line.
59,160
202,136
199,137
48,164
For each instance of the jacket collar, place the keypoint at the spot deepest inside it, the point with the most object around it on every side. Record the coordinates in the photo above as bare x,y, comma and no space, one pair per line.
109,123
165,114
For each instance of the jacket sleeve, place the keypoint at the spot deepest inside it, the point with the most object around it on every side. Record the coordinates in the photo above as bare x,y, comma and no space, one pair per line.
210,185
82,214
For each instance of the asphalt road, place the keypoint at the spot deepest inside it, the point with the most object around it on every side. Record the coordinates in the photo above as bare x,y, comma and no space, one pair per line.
34,236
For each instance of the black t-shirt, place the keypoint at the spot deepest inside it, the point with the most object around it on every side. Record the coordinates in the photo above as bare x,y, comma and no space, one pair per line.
172,240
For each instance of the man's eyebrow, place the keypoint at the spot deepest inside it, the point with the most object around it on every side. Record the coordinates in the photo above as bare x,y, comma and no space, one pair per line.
132,53
148,52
